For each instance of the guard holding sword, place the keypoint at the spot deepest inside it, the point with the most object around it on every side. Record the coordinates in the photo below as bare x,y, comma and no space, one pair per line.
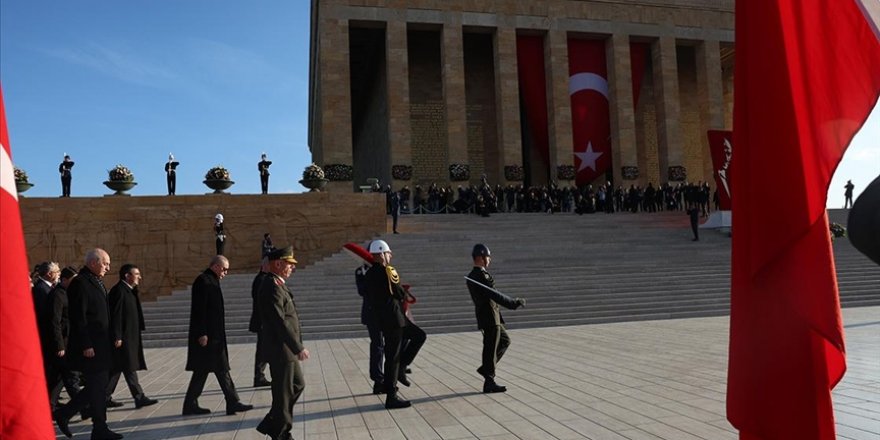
486,300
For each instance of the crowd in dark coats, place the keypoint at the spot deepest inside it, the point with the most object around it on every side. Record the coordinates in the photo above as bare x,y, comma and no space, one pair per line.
483,199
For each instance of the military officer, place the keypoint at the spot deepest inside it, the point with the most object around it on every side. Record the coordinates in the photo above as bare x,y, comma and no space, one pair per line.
263,167
282,345
486,300
385,297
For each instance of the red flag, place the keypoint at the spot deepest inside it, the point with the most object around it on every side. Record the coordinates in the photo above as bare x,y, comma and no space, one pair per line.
533,87
807,75
721,147
24,401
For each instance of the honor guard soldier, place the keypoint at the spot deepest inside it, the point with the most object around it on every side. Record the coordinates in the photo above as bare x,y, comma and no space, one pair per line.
486,300
64,169
282,345
171,174
263,167
385,299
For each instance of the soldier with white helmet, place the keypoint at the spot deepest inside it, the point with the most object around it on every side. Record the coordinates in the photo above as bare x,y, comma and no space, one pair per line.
386,297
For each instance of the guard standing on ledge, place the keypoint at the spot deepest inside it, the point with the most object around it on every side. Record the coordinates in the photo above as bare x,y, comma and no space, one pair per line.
263,167
486,300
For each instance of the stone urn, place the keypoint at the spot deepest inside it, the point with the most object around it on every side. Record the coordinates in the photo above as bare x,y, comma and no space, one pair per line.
218,185
23,186
314,185
120,186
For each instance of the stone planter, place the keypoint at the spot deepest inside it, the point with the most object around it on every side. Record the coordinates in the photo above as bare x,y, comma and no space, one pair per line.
314,185
218,185
120,186
23,186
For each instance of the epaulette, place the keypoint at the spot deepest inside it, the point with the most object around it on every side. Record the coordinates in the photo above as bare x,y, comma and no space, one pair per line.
278,281
392,274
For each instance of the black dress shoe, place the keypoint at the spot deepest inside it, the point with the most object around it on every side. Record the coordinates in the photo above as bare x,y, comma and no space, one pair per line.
144,401
402,379
392,402
105,434
491,387
195,411
114,404
62,422
237,407
378,388
261,382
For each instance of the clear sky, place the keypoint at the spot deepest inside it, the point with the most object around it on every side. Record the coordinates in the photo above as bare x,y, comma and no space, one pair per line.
216,82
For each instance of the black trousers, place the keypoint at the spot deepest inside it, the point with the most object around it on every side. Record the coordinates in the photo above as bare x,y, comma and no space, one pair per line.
264,183
220,245
411,337
94,394
59,376
131,378
259,366
495,343
197,385
65,186
377,348
287,385
172,184
394,222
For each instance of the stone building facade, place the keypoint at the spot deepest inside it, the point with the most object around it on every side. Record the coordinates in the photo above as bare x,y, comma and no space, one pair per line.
405,90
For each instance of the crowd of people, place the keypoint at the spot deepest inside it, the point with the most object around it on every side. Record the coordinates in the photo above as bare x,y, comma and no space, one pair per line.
484,199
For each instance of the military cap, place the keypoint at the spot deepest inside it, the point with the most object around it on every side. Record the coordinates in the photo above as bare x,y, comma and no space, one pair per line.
285,254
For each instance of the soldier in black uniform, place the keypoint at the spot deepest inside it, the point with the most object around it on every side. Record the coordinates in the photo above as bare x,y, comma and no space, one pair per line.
385,297
489,320
282,344
255,324
66,176
171,174
263,167
377,343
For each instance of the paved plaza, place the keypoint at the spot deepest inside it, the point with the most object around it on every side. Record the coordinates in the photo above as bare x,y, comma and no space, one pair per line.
635,380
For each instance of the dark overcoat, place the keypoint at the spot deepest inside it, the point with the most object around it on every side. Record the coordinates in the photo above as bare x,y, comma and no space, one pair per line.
486,301
126,324
385,297
57,319
207,318
254,324
280,335
89,323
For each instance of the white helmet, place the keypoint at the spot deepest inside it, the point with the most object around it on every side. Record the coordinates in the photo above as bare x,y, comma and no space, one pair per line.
379,247
218,218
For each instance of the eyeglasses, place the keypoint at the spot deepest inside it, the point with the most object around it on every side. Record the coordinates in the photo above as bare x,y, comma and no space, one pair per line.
224,269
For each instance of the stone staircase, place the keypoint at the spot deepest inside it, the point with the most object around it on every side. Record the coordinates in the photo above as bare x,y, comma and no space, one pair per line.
572,269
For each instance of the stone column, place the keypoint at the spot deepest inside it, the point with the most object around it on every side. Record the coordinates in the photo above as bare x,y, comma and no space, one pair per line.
622,112
710,92
453,90
507,99
336,145
397,65
559,101
668,110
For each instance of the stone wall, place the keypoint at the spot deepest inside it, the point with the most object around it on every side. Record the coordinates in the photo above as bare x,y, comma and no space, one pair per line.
172,238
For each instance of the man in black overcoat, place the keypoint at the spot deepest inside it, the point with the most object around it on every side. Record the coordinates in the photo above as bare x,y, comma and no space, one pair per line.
90,344
55,353
66,176
263,168
206,344
47,277
126,325
255,323
489,320
282,346
385,297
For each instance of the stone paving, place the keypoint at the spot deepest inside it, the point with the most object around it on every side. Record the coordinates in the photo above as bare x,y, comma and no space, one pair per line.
636,380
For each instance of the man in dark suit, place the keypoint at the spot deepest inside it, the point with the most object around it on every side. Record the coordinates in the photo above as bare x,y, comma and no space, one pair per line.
66,177
126,325
58,372
385,297
206,345
255,323
171,174
90,342
281,338
47,277
489,320
263,167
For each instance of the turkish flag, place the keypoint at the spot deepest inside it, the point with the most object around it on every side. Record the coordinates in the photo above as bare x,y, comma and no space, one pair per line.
590,123
24,401
807,75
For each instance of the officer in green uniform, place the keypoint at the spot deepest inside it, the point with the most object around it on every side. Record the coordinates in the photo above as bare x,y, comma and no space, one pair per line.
282,344
486,300
385,297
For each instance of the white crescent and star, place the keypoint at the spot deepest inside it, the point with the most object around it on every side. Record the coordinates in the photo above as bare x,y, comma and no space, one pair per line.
7,173
588,81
